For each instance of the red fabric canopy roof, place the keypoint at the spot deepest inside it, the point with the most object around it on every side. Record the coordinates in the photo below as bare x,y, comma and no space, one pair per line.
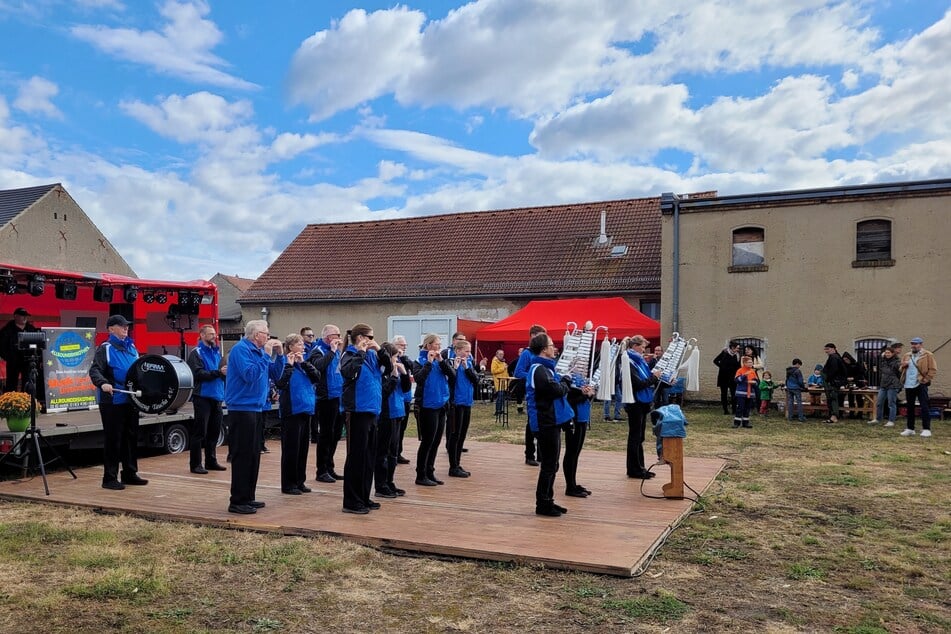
621,318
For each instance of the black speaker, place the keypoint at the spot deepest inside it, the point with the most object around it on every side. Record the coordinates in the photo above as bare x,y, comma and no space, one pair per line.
65,290
102,294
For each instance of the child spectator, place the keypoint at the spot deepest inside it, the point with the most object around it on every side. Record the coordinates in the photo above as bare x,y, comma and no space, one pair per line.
794,387
746,383
816,385
766,387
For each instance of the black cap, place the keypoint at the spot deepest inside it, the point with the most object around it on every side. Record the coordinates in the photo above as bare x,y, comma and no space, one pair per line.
117,320
21,311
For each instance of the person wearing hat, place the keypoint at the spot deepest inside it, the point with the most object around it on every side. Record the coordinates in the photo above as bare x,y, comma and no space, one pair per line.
119,415
918,370
18,363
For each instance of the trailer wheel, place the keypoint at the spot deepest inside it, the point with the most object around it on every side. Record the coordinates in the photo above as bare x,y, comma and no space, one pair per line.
176,438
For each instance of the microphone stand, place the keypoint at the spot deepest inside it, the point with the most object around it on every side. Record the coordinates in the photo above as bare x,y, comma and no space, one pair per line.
34,434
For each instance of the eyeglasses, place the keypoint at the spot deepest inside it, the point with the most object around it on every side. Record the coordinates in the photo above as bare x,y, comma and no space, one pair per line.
370,337
309,335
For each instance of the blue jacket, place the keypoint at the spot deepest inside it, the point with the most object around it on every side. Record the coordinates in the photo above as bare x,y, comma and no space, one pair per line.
668,421
110,365
205,361
794,381
246,389
641,378
296,385
362,381
327,363
463,392
432,381
546,395
523,364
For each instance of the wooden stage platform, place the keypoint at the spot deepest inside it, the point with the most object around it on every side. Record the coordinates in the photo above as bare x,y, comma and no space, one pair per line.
490,515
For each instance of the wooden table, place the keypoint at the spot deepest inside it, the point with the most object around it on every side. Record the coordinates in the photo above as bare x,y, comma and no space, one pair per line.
865,400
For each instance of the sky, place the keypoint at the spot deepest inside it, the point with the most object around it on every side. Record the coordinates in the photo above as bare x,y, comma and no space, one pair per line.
201,136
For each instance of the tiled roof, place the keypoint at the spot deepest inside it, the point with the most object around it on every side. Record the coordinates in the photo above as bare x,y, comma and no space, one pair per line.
240,283
14,201
529,252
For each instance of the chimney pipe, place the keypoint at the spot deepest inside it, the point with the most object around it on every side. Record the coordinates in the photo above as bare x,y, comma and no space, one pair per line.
603,238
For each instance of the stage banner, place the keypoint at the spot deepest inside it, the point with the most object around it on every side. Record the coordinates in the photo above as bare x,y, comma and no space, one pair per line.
66,362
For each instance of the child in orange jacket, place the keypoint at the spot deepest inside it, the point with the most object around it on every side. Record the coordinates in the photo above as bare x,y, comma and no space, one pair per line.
746,385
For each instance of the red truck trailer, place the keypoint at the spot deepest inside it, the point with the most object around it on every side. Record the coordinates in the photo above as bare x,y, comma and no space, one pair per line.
165,318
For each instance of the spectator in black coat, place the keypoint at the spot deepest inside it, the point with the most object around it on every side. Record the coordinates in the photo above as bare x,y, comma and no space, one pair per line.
729,362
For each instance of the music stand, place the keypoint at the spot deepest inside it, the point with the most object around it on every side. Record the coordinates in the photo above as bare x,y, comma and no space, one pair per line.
34,434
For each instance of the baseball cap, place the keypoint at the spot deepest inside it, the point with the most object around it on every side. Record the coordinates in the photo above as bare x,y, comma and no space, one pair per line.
21,311
917,340
117,320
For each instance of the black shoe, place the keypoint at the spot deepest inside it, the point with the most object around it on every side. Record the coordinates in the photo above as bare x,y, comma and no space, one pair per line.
464,450
199,470
265,450
576,493
583,490
747,426
399,492
257,504
401,460
520,409
385,493
335,475
642,475
135,481
373,505
547,511
360,510
436,480
304,488
214,466
559,508
242,509
115,486
532,462
736,425
326,477
459,472
426,482
294,491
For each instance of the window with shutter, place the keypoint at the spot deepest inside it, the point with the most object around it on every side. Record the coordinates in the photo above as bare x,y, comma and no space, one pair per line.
873,243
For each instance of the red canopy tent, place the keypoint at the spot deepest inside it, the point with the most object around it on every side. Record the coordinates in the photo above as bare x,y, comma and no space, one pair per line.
621,319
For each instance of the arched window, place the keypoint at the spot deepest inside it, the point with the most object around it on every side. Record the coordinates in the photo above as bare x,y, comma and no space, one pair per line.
759,345
748,249
867,351
873,241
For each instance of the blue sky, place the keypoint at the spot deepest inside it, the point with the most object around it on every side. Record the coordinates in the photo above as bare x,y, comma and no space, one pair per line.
202,135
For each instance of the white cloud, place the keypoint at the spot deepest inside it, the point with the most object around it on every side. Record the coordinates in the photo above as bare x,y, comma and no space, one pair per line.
35,96
359,59
199,117
181,49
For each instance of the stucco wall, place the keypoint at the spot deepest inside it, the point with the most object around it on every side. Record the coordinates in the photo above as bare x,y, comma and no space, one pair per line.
55,233
811,294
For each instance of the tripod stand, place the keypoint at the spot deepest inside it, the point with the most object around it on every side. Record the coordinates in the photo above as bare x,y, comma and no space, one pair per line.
34,435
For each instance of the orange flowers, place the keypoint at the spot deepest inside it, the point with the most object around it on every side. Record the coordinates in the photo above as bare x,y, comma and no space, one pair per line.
15,405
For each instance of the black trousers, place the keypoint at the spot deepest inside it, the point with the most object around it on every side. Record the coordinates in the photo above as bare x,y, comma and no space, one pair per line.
120,428
457,434
919,394
330,429
246,429
402,433
636,426
529,442
361,452
387,449
431,424
549,450
295,432
204,432
450,424
574,441
728,398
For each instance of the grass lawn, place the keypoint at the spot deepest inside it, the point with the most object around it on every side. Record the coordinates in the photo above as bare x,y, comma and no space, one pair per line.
811,528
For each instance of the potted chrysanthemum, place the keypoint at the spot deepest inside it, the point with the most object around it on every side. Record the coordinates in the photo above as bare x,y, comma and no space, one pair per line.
15,407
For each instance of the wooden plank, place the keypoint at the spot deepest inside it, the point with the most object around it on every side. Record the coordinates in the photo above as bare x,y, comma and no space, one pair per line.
490,515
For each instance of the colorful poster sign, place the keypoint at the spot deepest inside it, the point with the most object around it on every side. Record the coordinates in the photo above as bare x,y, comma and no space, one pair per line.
66,362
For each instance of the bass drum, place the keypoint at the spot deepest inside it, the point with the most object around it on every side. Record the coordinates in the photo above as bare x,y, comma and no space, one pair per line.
165,382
